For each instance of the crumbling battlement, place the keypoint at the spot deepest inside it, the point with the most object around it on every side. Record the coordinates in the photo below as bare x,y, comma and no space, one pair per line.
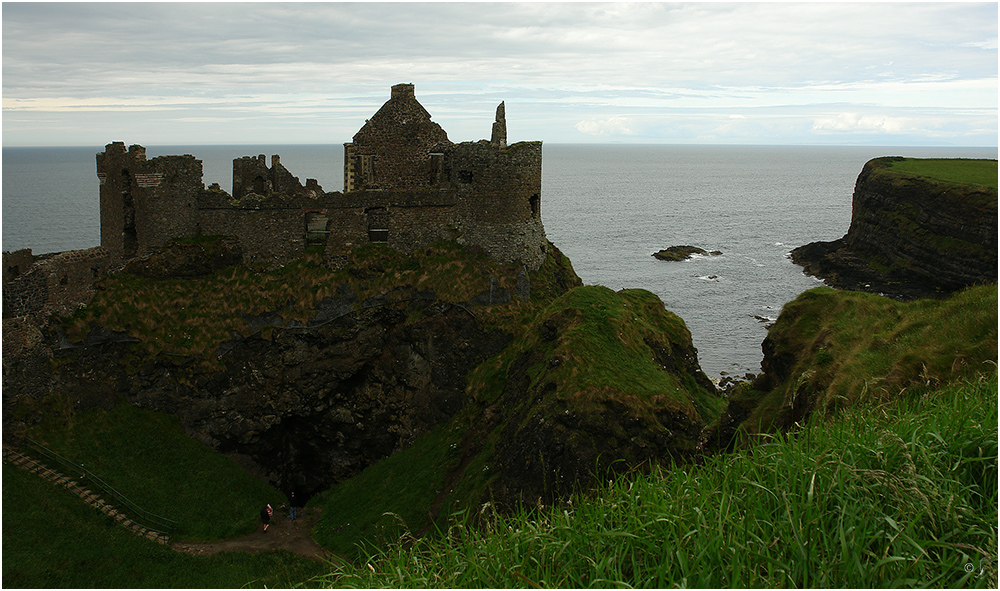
55,283
252,176
406,185
145,203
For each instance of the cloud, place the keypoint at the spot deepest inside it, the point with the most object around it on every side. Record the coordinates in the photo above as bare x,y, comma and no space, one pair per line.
570,70
610,126
850,122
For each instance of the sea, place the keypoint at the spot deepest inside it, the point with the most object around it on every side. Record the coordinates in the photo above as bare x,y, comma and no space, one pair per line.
607,207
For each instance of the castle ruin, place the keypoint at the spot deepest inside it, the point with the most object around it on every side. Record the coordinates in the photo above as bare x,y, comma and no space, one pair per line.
405,184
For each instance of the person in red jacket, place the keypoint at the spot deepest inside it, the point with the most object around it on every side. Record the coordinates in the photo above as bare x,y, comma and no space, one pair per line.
265,516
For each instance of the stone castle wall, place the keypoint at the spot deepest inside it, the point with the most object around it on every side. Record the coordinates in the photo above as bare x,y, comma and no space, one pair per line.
409,186
55,283
271,232
252,176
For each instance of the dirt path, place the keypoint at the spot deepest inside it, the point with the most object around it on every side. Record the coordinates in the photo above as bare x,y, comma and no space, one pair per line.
282,534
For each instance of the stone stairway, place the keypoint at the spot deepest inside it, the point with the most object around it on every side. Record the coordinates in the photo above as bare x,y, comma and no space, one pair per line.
18,459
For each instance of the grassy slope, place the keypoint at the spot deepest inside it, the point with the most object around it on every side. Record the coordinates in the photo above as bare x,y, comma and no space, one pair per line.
192,317
898,488
603,349
51,539
899,494
850,346
149,459
388,499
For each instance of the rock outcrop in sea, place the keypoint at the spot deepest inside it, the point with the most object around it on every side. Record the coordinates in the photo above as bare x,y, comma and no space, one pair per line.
682,253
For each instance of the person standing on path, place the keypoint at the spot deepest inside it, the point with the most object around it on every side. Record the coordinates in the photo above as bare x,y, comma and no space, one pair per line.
293,506
265,516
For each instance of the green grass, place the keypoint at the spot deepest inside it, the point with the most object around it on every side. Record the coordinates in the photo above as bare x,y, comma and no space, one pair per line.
192,317
387,500
604,346
846,346
148,458
52,539
902,494
958,171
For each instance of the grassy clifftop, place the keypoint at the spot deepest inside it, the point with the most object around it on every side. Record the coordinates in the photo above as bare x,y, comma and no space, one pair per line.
961,172
831,350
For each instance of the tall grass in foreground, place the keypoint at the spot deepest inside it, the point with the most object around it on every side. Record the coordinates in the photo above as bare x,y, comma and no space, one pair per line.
898,495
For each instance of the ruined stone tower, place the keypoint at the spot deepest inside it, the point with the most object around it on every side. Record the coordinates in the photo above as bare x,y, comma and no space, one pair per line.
145,203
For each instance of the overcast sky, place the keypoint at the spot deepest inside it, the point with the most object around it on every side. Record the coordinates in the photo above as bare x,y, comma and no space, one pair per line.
712,73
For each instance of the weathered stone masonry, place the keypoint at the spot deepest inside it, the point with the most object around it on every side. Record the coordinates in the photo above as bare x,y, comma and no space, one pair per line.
405,184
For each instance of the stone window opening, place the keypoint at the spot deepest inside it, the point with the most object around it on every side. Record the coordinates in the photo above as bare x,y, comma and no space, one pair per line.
316,228
130,238
259,185
465,176
378,224
533,202
367,173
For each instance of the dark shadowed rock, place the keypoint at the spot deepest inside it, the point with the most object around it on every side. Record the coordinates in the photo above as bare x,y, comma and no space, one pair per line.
682,253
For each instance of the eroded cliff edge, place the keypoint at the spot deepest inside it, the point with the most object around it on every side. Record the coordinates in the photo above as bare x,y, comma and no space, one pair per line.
914,231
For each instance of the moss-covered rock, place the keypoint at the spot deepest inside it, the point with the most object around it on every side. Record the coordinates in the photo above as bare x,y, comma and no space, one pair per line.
599,382
830,349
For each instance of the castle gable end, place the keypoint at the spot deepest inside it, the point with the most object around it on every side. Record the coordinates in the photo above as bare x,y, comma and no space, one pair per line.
395,148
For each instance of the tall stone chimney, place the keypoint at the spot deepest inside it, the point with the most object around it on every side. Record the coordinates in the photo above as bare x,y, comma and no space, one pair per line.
402,91
499,137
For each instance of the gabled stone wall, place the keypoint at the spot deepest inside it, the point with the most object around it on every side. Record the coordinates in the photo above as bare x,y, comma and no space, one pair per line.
394,148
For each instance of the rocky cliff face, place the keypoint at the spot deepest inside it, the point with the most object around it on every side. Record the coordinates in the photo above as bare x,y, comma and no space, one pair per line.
304,406
910,236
